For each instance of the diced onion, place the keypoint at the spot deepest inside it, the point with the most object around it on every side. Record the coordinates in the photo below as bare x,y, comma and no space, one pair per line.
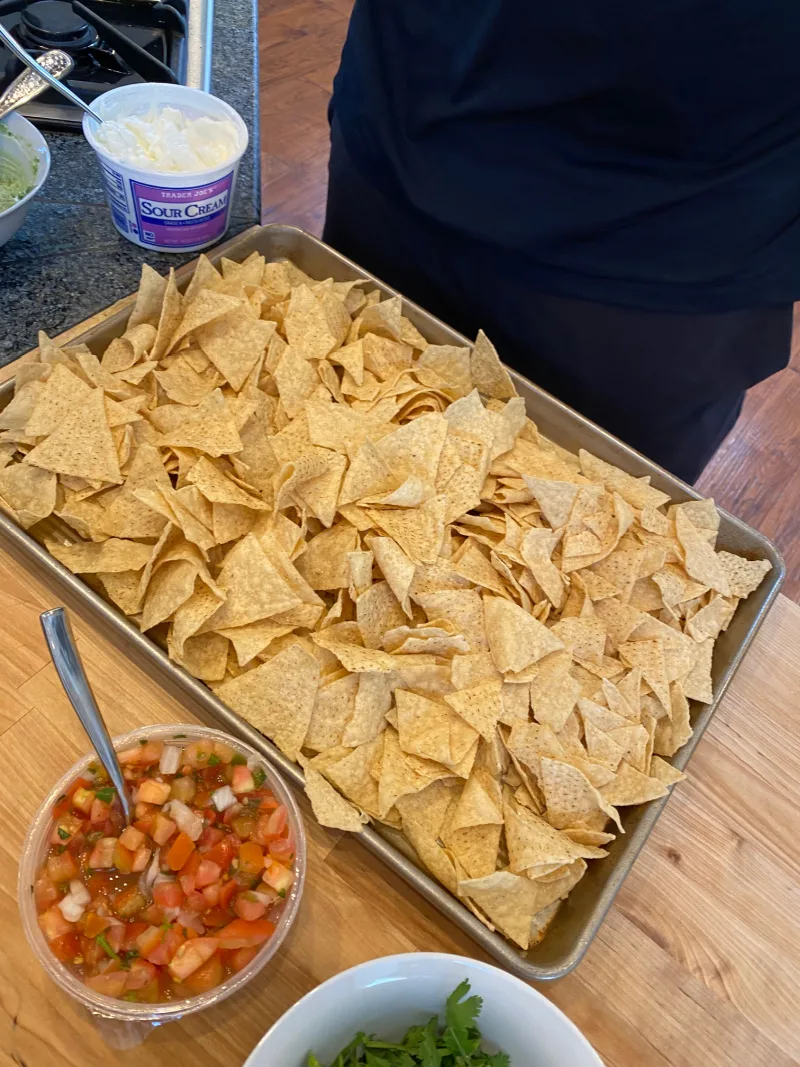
170,759
191,824
148,877
223,797
253,762
191,920
74,903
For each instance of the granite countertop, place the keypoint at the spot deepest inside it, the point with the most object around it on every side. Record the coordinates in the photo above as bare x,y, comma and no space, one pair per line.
68,261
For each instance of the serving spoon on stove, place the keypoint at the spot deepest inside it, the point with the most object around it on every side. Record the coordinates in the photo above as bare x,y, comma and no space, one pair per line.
13,45
67,662
28,85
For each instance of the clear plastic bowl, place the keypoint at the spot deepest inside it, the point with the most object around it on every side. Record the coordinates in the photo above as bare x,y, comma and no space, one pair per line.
109,1008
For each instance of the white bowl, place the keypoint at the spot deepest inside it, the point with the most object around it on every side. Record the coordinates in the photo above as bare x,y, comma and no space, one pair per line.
36,147
386,996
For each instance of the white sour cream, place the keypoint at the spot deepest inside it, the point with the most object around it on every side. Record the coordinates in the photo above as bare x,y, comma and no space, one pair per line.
168,142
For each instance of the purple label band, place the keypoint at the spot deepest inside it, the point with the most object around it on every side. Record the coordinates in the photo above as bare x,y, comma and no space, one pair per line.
181,218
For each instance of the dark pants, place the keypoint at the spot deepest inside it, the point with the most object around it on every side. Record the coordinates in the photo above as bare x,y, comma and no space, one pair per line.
671,385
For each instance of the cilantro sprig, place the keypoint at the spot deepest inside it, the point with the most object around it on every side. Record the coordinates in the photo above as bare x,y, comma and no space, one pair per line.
457,1044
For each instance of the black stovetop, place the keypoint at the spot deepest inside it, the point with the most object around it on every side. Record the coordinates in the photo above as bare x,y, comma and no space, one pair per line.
112,43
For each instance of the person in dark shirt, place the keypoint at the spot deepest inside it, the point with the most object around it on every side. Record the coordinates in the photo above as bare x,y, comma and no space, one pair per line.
610,190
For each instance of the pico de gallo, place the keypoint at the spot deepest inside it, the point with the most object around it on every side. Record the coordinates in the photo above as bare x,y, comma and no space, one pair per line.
184,897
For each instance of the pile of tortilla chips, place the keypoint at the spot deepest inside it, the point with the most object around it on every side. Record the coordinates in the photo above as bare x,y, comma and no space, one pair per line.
360,541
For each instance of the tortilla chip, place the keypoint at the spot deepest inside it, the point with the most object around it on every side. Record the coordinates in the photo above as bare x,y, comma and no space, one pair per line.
333,710
649,657
700,559
433,731
110,556
571,799
30,491
632,787
481,706
508,899
554,692
330,807
277,698
516,639
533,842
417,531
744,575
81,445
254,588
149,298
372,702
487,372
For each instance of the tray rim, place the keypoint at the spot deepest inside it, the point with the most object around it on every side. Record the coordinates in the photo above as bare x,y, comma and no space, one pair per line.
494,943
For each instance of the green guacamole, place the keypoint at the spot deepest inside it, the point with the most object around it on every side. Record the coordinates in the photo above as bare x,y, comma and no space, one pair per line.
18,167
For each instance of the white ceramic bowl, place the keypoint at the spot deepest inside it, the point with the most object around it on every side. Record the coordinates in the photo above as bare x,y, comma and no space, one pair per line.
386,996
34,147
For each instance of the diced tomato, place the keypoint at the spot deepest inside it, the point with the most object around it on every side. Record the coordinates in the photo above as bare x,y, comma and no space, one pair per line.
128,902
132,931
94,924
103,852
54,924
195,902
100,812
180,851
92,953
141,858
282,850
206,977
243,934
183,789
145,823
198,753
62,868
248,906
151,791
231,814
216,917
270,826
207,872
123,858
163,829
153,914
242,779
141,974
209,837
152,993
223,852
145,755
115,935
211,894
227,892
110,985
244,824
159,945
131,838
66,828
167,894
45,892
190,956
251,858
66,948
82,799
278,876
269,802
239,958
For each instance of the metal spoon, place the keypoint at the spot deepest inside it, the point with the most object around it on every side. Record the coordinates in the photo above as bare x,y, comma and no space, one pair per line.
67,662
14,46
28,85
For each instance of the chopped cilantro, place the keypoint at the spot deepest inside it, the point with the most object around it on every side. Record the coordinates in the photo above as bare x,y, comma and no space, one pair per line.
281,892
213,760
106,794
132,996
104,945
259,777
63,834
237,759
457,1045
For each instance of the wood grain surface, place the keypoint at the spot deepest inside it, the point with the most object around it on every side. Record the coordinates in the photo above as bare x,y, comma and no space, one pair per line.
698,963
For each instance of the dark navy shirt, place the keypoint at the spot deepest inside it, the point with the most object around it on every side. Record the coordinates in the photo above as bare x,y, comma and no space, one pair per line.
638,152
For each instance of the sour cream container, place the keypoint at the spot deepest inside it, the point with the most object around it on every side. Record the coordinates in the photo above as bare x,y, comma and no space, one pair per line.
167,212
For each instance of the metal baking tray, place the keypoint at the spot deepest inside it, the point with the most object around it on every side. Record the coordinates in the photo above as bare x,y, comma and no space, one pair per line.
579,918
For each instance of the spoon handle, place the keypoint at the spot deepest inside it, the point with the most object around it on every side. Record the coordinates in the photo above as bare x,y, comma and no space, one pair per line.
14,46
67,662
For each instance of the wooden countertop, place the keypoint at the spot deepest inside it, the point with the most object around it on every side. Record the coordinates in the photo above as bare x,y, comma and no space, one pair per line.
698,962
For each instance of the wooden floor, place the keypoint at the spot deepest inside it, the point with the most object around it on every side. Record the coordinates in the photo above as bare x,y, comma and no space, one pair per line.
754,474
